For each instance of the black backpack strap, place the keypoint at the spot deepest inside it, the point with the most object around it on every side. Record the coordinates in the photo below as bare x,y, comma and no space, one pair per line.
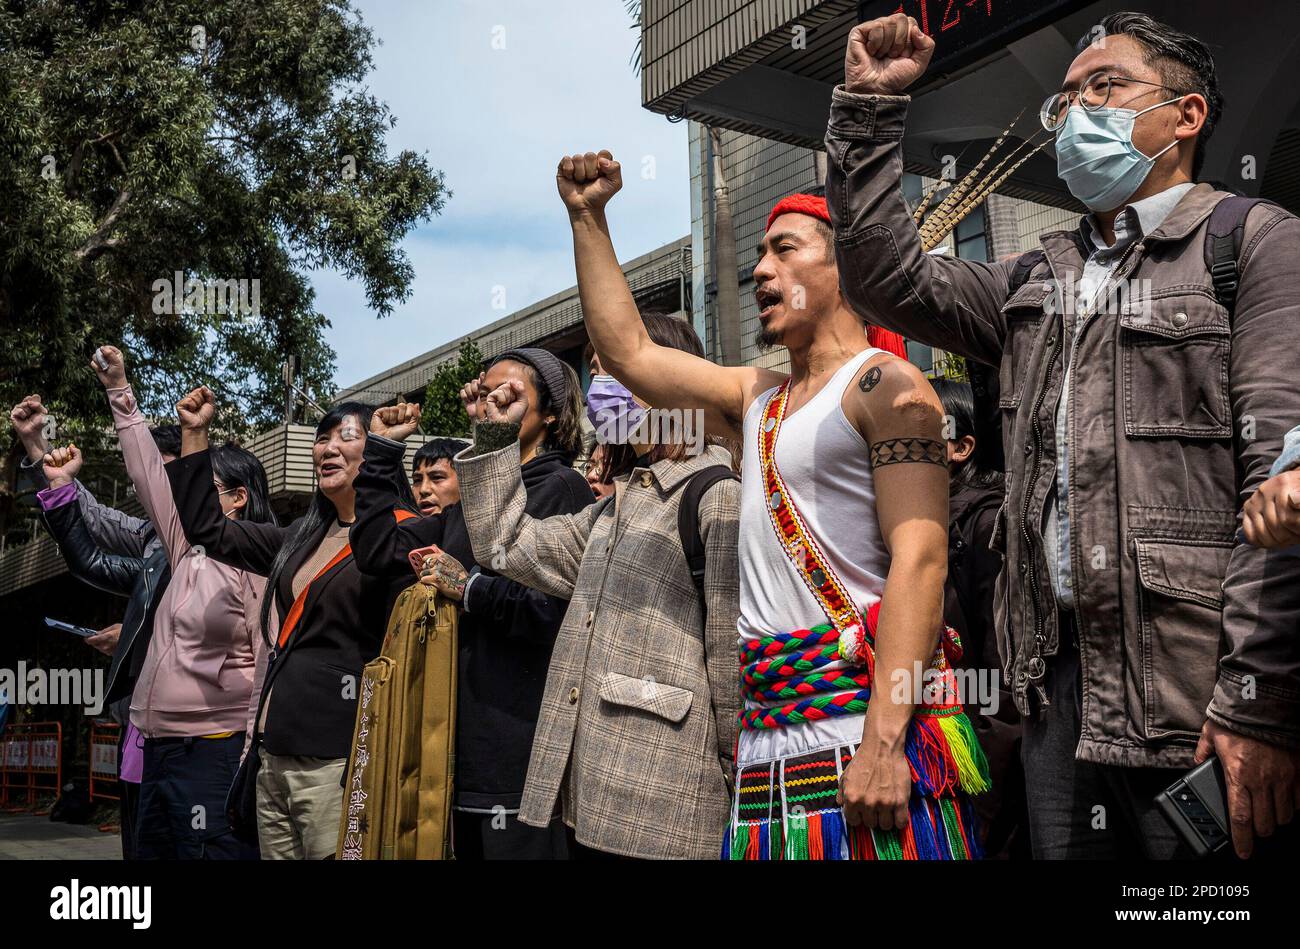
1024,266
688,518
1223,239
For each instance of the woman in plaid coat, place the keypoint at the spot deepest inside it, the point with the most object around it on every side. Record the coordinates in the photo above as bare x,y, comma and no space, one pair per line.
636,737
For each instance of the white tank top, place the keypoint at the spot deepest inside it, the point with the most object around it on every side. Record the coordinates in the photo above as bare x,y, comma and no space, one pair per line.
824,462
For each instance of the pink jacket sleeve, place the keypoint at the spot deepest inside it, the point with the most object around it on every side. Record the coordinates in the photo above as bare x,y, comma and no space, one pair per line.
144,464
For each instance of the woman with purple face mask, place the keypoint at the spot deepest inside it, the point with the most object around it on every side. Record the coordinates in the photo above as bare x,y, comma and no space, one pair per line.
646,652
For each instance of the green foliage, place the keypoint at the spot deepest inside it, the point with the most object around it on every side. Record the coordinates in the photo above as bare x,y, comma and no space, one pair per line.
221,139
442,412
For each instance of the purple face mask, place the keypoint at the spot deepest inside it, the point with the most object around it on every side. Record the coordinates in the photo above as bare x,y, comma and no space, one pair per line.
612,410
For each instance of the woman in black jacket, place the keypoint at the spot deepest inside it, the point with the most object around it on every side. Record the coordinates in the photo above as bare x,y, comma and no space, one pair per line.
506,630
327,621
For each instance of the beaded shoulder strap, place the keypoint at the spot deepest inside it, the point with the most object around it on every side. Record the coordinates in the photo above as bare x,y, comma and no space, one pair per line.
792,532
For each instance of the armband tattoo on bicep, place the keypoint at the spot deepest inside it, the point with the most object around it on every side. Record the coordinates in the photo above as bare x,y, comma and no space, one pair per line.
897,451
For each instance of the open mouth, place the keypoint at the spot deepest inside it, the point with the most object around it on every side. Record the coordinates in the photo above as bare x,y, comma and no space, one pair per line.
330,468
428,507
767,299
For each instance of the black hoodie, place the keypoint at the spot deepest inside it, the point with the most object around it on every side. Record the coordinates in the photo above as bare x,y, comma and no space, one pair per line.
507,630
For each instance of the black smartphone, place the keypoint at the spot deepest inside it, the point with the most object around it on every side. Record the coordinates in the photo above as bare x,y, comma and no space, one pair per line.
1197,807
81,631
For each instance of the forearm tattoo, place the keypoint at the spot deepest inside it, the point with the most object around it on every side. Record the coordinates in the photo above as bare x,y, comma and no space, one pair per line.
898,451
493,436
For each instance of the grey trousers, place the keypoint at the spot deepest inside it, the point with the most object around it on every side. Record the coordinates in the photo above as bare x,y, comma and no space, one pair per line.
1080,810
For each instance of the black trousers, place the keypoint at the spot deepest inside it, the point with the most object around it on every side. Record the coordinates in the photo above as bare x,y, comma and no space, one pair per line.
183,790
500,836
1082,810
128,807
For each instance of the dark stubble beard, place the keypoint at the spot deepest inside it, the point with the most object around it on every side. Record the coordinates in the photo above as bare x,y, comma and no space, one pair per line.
767,339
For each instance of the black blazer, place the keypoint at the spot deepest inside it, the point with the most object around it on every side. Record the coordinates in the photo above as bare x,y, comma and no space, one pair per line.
317,676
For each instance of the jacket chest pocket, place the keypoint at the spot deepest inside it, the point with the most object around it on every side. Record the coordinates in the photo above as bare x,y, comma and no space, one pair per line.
1174,368
1024,313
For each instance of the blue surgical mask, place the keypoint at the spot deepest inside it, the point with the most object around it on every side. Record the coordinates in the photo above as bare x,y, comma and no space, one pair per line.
612,409
1096,157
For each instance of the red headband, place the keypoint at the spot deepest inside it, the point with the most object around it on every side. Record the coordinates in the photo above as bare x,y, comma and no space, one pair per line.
815,206
809,204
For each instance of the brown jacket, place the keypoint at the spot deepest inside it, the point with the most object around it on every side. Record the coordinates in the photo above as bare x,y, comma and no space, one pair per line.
638,722
1177,412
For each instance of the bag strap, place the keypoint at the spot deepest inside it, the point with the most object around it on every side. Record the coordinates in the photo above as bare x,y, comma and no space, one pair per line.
1223,239
1024,266
688,519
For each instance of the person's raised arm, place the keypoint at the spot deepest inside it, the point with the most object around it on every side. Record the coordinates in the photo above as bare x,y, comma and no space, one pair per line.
383,534
900,417
112,573
241,544
116,532
144,462
543,555
663,377
885,274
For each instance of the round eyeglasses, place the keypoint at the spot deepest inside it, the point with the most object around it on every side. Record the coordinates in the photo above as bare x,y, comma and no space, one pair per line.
1093,95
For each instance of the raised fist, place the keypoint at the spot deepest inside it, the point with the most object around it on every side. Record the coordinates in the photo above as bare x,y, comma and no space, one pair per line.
885,56
197,409
587,182
506,403
395,421
28,419
112,370
472,395
62,465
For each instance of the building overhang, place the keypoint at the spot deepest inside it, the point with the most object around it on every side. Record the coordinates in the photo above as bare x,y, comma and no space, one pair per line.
767,68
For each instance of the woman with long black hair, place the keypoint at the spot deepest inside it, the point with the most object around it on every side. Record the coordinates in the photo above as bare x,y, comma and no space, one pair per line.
507,630
323,619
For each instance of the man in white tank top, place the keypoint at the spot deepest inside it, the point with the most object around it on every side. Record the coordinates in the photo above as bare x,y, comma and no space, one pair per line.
843,532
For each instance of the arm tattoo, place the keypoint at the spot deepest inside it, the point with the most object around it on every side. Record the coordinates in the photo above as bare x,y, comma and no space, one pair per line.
493,436
897,451
869,379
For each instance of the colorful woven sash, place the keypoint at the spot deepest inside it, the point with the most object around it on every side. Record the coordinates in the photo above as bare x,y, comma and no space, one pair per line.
808,673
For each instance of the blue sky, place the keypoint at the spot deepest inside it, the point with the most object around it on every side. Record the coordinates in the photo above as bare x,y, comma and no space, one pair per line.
496,121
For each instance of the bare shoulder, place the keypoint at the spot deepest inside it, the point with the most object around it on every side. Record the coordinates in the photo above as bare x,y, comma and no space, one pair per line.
891,398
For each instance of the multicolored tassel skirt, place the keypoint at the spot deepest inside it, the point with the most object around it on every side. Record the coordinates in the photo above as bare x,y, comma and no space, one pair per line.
785,808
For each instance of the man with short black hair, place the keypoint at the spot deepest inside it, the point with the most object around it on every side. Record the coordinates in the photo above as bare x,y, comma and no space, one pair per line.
433,479
1147,376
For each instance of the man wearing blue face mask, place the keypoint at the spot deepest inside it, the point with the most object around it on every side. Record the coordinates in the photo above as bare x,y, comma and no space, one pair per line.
1146,377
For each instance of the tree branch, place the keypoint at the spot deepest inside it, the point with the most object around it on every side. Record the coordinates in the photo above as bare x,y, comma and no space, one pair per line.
99,241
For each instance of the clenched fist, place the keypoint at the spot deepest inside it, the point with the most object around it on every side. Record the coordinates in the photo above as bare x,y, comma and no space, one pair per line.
506,403
885,56
197,410
112,372
395,421
28,419
62,465
587,182
472,395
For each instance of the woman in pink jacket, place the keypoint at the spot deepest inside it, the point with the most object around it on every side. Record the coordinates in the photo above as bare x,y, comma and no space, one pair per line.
194,697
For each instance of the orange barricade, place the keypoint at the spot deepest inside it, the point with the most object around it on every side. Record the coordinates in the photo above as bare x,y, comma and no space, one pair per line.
31,761
104,738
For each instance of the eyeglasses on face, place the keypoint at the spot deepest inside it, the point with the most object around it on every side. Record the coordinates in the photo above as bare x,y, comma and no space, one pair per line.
1093,95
